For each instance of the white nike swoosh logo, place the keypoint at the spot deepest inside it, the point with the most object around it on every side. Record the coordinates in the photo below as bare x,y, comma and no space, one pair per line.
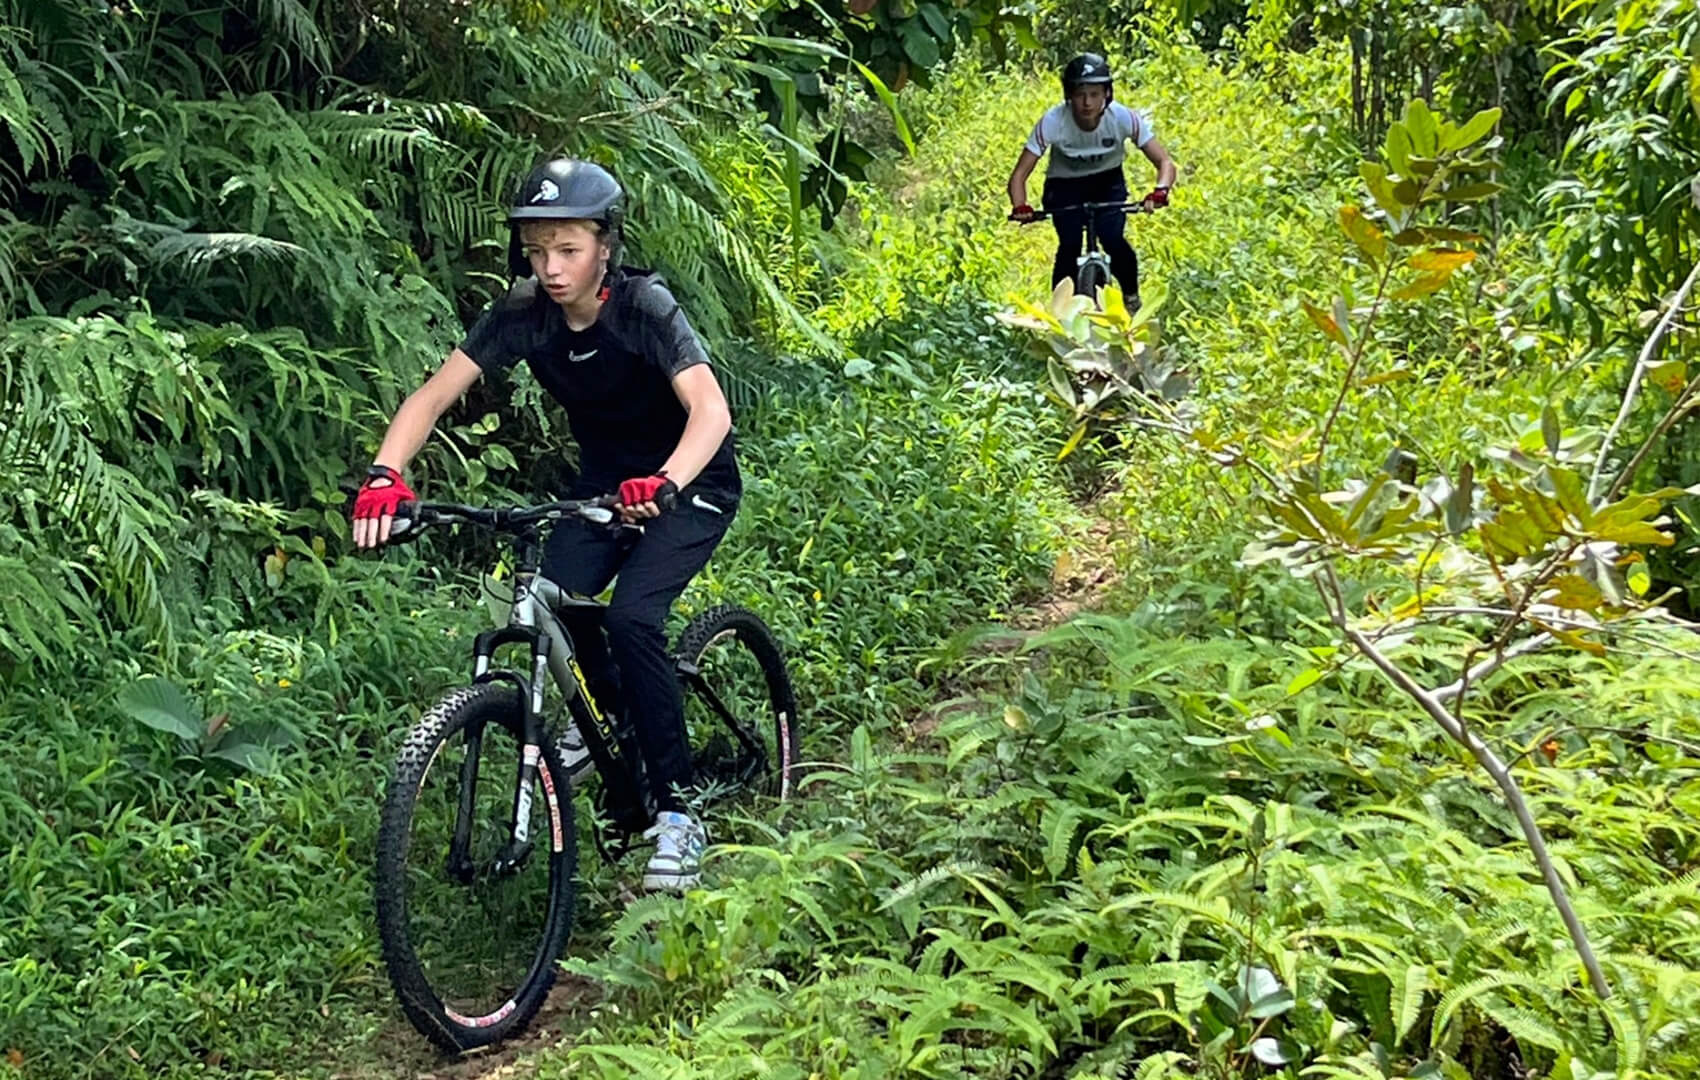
579,358
703,504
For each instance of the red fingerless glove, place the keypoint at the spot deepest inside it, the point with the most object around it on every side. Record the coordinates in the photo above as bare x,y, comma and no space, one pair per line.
382,493
656,489
1158,197
1021,213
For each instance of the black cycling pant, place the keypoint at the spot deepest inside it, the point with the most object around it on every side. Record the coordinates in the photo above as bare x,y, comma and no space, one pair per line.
1062,195
653,567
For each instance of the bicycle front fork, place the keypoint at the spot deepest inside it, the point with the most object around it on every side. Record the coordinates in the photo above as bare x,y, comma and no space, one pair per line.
518,847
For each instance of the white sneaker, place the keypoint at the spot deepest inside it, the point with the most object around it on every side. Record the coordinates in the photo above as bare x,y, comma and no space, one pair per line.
569,744
679,842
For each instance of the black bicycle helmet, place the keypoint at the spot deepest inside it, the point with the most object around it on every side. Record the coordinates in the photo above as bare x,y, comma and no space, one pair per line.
561,190
1087,69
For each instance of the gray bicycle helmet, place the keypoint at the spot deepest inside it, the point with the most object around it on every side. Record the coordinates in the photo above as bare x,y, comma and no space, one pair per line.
1087,69
566,189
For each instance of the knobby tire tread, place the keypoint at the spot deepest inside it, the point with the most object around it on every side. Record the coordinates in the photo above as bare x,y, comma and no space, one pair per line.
420,1003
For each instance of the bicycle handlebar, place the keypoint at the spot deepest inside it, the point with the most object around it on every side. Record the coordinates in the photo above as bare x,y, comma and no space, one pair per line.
412,518
1096,207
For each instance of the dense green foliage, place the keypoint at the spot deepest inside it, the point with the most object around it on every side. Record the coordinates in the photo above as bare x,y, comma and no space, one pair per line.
1193,834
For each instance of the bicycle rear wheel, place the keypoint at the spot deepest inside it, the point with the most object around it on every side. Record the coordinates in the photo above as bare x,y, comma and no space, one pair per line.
734,671
471,948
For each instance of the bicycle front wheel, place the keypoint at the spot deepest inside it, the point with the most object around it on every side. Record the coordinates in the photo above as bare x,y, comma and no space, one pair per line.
740,708
1089,279
471,929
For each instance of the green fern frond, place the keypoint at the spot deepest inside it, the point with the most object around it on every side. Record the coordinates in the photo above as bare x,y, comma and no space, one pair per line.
926,880
290,21
1459,996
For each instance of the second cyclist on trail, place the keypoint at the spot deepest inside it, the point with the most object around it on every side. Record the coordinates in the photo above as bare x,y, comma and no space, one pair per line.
1086,137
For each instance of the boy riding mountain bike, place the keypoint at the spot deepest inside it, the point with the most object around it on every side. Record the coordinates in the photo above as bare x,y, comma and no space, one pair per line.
612,346
1086,137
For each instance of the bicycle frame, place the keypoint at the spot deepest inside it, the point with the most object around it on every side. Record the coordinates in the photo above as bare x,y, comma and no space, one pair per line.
533,621
1092,252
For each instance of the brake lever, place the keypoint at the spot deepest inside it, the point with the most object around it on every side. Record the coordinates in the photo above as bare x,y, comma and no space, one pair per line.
405,525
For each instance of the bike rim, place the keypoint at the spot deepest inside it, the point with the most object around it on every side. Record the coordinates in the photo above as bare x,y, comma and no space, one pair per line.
480,943
735,674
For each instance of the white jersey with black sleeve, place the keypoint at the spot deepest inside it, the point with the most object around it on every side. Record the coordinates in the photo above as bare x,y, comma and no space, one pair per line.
1075,152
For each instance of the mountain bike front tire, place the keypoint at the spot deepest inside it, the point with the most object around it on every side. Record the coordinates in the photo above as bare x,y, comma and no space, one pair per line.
1089,279
472,955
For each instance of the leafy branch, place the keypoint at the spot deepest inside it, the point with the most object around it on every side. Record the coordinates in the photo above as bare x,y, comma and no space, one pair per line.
1529,544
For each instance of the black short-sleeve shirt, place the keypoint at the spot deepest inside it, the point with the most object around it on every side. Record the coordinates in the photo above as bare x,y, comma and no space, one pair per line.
614,378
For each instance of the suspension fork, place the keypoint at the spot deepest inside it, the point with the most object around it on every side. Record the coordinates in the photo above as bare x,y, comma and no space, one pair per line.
519,844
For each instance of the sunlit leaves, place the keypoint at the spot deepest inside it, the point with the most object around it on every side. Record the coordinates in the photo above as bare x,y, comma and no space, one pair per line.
1369,239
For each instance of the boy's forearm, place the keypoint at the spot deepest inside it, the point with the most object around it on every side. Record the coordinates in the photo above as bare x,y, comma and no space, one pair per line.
409,429
706,428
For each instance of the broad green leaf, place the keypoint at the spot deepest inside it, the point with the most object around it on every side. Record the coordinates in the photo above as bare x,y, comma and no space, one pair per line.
1471,131
1381,189
1073,442
1015,718
1398,150
1257,983
1420,122
920,46
1271,1051
1511,535
1637,507
254,745
1473,192
934,18
159,704
1550,433
1639,579
1571,491
1281,1001
1632,532
1303,679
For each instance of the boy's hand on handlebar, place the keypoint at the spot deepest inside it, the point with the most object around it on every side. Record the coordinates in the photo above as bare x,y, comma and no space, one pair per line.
1159,197
376,503
1023,214
646,496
